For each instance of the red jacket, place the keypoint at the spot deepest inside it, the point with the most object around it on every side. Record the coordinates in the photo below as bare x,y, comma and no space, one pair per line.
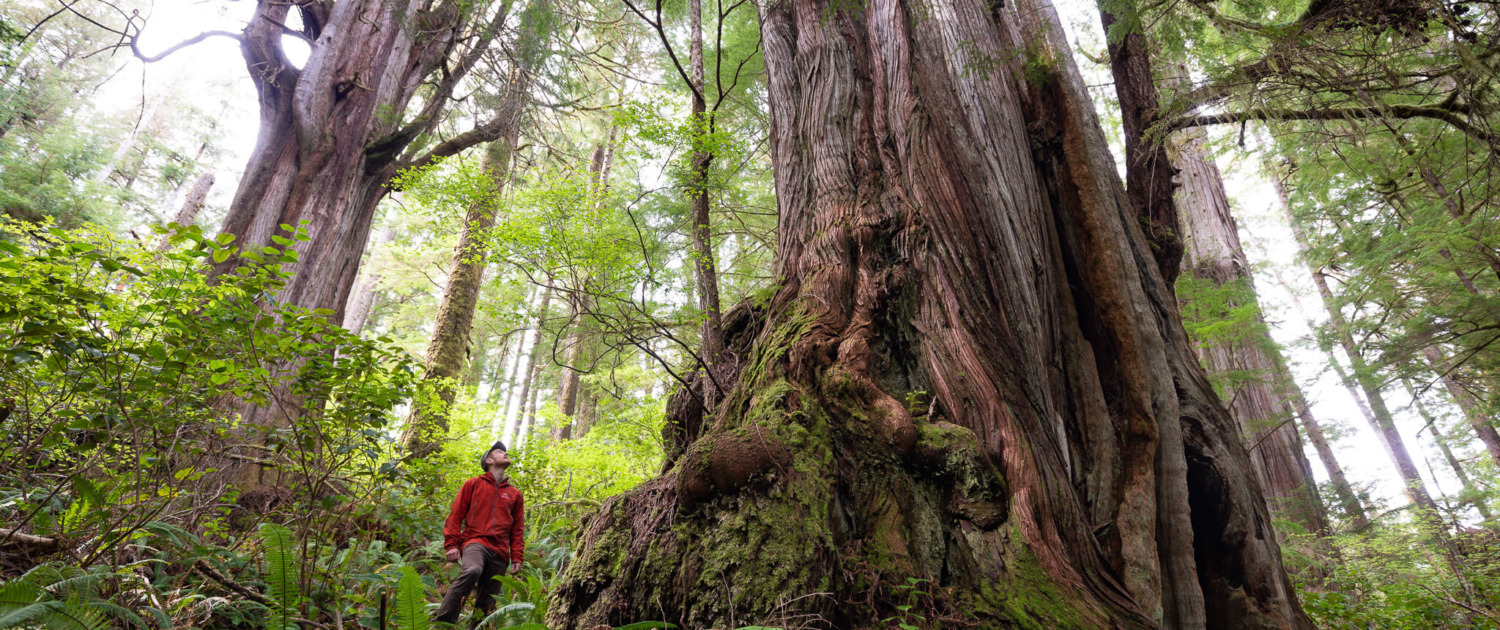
490,514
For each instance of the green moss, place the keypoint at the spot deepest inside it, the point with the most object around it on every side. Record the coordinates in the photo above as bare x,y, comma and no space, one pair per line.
1027,598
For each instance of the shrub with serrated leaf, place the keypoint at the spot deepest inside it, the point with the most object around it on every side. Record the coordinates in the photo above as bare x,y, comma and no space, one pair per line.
119,367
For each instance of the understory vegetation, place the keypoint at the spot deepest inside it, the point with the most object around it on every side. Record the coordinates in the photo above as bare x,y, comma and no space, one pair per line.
565,231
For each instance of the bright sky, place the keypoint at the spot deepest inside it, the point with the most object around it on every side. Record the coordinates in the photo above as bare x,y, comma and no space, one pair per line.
217,62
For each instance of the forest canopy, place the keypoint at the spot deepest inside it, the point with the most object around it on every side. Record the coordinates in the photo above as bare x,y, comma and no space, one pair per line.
753,314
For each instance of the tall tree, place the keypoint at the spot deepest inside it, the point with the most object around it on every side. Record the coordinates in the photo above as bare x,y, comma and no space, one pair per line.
449,349
972,371
1242,355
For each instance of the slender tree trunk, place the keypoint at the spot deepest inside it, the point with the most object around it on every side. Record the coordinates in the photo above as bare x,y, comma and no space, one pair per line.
1483,427
578,303
1348,500
509,421
449,349
362,302
704,257
188,213
588,412
147,116
1469,494
1380,418
527,406
501,383
1214,255
1382,422
478,364
972,371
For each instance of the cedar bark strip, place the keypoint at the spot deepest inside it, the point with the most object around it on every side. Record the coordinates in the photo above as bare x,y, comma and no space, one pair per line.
1214,254
972,373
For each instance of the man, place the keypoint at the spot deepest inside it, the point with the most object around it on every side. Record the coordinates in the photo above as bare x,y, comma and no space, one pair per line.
484,534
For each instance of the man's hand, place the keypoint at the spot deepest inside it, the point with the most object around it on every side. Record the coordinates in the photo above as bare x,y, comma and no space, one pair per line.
515,567
453,555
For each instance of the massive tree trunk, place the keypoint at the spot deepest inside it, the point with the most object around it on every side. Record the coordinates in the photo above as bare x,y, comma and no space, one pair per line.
332,133
1250,358
972,373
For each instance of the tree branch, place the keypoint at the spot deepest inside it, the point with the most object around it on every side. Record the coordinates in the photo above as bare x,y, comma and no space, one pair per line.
395,142
1403,112
28,540
136,49
671,53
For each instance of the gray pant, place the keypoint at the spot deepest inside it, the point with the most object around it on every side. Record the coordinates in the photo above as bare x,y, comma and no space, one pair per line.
480,568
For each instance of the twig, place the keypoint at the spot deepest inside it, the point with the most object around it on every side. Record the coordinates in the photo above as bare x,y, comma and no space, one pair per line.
213,574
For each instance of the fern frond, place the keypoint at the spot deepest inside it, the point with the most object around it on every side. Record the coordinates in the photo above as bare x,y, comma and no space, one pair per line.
494,619
82,586
119,612
70,615
18,603
411,601
281,574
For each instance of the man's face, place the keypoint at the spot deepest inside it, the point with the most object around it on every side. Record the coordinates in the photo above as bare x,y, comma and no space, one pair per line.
497,457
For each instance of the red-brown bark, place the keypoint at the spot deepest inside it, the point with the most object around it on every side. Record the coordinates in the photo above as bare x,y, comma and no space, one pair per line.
973,372
1214,254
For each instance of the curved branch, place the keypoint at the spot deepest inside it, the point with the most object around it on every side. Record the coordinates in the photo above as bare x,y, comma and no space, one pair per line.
1402,112
136,49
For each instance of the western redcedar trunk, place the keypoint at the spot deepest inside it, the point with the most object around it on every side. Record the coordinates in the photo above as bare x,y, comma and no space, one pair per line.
972,373
334,132
1213,255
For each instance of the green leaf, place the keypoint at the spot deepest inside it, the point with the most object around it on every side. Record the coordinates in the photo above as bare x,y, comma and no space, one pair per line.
221,255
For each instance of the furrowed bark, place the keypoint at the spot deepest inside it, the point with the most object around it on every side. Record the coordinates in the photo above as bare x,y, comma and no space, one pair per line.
1214,255
1148,168
973,372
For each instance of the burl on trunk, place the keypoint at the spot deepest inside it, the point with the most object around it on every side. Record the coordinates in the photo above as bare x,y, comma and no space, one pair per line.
972,373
